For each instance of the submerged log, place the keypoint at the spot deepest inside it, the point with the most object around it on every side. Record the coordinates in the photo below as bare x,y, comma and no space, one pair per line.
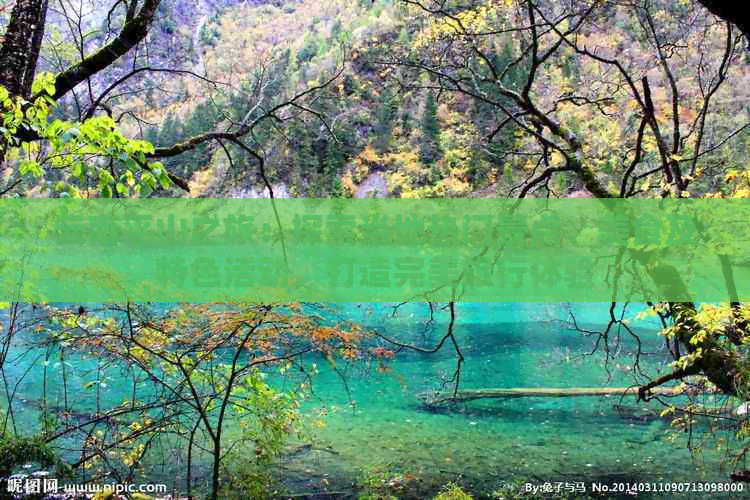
431,399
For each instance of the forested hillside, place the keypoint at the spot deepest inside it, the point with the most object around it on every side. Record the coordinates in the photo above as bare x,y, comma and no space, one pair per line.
404,100
391,125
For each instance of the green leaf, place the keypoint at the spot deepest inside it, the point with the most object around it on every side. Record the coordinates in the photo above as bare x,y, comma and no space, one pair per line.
143,190
30,167
77,170
148,179
105,178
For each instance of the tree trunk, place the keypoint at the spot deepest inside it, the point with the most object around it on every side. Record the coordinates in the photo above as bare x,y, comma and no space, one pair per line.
20,49
216,468
190,460
19,52
731,11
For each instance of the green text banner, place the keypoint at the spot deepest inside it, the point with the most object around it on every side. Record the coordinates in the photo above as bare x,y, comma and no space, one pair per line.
334,250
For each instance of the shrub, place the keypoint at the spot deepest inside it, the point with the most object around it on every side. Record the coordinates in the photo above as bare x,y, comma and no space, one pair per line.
453,492
17,451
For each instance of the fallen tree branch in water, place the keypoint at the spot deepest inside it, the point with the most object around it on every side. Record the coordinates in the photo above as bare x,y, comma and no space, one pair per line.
547,392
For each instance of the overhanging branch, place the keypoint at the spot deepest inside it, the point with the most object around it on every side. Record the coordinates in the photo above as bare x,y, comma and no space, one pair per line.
132,33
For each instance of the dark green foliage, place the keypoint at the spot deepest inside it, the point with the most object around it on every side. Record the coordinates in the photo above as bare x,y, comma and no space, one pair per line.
203,118
516,69
404,37
477,171
334,163
209,33
307,52
151,135
429,151
17,451
167,24
170,132
486,116
571,67
337,188
435,174
349,85
302,158
336,30
335,160
386,114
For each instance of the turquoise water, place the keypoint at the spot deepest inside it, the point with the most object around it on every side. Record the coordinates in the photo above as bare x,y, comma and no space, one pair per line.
375,430
489,444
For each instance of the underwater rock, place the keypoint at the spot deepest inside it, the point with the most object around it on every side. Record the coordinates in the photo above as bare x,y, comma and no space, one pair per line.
742,409
637,413
302,450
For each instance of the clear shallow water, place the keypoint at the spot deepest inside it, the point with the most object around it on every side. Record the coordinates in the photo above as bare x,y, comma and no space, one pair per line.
486,444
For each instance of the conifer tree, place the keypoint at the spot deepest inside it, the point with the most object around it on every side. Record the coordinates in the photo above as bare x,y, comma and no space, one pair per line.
430,127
